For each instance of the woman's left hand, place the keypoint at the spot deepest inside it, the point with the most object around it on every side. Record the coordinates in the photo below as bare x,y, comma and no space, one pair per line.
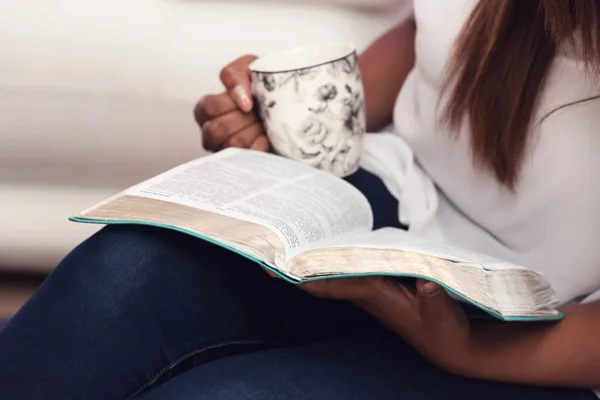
564,354
424,316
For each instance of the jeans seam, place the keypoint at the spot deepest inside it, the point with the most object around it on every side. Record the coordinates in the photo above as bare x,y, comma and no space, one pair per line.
188,355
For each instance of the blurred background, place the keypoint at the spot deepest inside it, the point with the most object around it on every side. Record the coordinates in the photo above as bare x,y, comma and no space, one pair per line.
98,95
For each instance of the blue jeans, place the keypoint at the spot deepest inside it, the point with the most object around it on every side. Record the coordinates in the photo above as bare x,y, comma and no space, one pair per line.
147,313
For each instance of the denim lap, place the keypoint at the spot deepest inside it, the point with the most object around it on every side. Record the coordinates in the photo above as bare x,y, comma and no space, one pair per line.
135,305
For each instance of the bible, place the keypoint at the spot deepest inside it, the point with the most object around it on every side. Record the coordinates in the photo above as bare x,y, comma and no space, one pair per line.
304,224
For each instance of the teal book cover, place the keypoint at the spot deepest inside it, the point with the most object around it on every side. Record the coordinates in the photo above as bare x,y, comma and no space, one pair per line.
473,309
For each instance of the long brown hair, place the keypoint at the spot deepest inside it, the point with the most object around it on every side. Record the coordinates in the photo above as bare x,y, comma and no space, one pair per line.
499,67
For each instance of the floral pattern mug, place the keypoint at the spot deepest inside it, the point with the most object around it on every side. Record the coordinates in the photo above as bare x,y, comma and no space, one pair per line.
311,101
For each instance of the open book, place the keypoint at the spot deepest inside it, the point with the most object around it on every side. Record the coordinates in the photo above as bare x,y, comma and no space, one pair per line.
305,224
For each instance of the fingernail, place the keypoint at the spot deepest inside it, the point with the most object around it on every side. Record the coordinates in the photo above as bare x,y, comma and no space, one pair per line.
429,287
242,98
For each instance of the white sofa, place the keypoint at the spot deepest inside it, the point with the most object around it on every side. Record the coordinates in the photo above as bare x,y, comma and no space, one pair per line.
97,95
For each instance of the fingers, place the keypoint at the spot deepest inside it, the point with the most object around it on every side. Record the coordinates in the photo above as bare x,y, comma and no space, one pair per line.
241,95
356,289
435,304
236,78
428,288
234,129
271,273
244,138
440,314
261,143
213,106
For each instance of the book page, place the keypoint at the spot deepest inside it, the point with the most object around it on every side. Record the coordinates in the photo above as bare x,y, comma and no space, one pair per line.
494,284
302,205
392,238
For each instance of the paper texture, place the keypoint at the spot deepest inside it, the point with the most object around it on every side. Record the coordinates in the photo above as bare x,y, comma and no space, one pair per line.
302,205
390,238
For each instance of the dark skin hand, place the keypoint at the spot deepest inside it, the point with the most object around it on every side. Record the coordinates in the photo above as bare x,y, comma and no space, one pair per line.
565,354
228,119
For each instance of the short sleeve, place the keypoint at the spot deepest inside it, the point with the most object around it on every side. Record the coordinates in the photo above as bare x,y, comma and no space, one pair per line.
593,297
405,7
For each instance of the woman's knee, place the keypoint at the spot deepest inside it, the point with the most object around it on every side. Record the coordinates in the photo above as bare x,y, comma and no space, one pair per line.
125,269
119,251
121,260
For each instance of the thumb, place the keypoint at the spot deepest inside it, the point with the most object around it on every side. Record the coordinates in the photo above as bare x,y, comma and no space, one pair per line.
432,297
237,81
428,288
435,303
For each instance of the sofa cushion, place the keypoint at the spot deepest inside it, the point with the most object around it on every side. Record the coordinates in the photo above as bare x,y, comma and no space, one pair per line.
371,5
96,96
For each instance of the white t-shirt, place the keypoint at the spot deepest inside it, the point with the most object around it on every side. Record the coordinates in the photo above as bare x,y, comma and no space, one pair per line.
552,223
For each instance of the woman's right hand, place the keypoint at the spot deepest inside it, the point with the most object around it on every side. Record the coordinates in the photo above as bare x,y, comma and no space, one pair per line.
228,119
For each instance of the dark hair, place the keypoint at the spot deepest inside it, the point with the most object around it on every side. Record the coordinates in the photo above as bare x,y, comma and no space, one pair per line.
499,66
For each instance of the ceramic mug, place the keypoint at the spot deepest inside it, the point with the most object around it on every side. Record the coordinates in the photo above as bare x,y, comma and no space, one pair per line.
311,101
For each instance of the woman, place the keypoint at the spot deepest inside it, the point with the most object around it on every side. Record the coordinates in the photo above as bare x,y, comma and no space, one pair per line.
505,122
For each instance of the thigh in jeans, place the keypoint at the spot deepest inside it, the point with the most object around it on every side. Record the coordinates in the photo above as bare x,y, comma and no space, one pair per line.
368,366
134,305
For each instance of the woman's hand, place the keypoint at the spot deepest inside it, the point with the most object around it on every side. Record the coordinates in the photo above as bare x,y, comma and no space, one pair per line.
425,317
227,119
563,354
